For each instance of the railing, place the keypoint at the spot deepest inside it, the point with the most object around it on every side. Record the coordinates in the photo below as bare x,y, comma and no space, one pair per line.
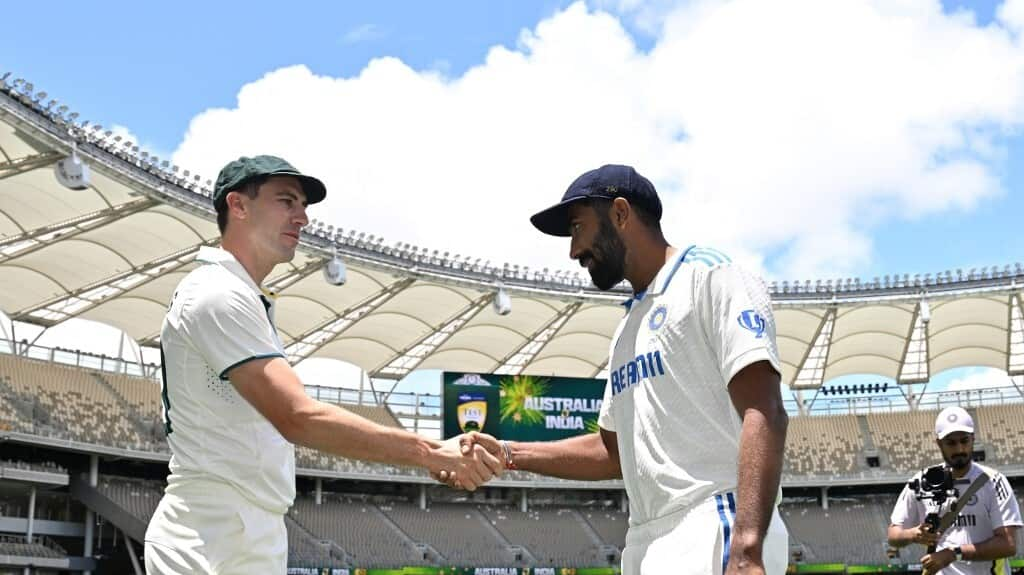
416,411
421,412
78,358
894,403
41,540
45,467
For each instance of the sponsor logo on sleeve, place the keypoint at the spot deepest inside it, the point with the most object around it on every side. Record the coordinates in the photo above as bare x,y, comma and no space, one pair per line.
751,320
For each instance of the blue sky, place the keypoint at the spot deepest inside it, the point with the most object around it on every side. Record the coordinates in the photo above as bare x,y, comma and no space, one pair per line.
155,69
152,67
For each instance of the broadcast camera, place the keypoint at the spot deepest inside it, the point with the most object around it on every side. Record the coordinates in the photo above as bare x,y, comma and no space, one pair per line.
935,489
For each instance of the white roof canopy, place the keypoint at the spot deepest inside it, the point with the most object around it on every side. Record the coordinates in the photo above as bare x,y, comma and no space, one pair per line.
114,252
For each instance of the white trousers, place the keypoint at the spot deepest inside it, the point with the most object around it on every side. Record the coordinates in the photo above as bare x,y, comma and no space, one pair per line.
696,542
212,529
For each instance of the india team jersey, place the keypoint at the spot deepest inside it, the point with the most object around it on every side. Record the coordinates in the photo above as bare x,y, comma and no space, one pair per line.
219,318
992,507
701,321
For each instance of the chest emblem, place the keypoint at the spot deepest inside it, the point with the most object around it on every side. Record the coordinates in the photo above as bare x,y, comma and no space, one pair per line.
657,318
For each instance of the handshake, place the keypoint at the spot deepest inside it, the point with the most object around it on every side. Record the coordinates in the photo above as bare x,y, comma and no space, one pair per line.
467,461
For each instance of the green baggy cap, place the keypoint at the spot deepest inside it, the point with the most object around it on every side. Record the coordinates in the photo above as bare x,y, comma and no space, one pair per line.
239,171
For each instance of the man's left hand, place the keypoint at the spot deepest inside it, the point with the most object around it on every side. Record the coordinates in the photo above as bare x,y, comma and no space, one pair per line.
935,562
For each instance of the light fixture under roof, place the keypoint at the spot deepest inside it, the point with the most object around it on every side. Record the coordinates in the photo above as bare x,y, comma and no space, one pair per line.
502,301
335,272
72,172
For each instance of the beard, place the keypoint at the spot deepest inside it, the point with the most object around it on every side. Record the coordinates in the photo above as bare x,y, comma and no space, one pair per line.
959,461
608,256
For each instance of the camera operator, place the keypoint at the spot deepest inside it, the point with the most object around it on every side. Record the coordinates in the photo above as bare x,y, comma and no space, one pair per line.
984,534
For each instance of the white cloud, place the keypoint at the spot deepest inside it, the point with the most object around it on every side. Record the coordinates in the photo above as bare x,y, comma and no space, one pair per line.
91,337
363,33
331,373
1011,13
789,129
980,378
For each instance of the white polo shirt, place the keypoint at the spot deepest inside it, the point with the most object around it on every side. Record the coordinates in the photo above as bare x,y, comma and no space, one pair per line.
992,507
219,318
701,321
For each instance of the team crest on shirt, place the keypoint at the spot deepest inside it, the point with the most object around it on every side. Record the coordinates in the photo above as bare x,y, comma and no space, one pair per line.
657,318
751,320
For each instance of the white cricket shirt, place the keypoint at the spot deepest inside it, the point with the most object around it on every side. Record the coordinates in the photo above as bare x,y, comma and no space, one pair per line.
219,318
701,321
992,507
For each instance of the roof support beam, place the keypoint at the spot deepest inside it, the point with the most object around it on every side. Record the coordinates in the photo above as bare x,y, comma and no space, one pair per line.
37,239
915,364
312,340
28,163
1017,382
413,355
89,296
279,284
515,362
812,367
800,407
1015,337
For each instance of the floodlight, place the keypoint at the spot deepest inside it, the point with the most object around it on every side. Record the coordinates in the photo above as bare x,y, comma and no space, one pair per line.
334,271
72,172
502,301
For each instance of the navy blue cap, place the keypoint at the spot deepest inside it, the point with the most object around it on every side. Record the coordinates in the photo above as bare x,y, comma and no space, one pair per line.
609,181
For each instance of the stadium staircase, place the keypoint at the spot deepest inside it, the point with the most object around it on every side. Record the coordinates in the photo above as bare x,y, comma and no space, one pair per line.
869,449
607,550
521,553
334,554
423,549
104,506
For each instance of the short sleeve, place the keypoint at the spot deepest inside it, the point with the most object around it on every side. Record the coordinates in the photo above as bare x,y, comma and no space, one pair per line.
1006,511
604,418
737,317
907,512
229,328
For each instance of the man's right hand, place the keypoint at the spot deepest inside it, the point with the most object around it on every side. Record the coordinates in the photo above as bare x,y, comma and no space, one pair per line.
470,443
923,535
488,442
465,465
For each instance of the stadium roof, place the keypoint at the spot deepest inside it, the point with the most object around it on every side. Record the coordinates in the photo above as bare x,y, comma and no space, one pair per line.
113,253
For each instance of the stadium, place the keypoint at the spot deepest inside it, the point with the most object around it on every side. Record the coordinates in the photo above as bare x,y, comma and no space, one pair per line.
83,457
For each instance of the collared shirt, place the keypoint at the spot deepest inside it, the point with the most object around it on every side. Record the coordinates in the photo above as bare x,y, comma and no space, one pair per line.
992,507
701,321
219,318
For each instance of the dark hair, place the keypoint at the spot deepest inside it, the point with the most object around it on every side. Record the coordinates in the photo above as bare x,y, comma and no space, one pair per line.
250,188
601,205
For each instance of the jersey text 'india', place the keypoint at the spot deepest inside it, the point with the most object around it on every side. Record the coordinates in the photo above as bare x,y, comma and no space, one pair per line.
636,370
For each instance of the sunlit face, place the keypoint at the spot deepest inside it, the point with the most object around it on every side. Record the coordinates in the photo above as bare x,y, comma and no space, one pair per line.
957,448
276,215
596,245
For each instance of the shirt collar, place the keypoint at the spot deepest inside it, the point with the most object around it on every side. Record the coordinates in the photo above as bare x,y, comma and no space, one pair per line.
661,280
224,258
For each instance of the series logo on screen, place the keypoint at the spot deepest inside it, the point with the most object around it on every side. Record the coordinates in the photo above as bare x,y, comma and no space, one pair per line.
472,411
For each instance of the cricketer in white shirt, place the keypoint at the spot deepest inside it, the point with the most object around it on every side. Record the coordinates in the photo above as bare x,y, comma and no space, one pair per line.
225,456
700,322
992,507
